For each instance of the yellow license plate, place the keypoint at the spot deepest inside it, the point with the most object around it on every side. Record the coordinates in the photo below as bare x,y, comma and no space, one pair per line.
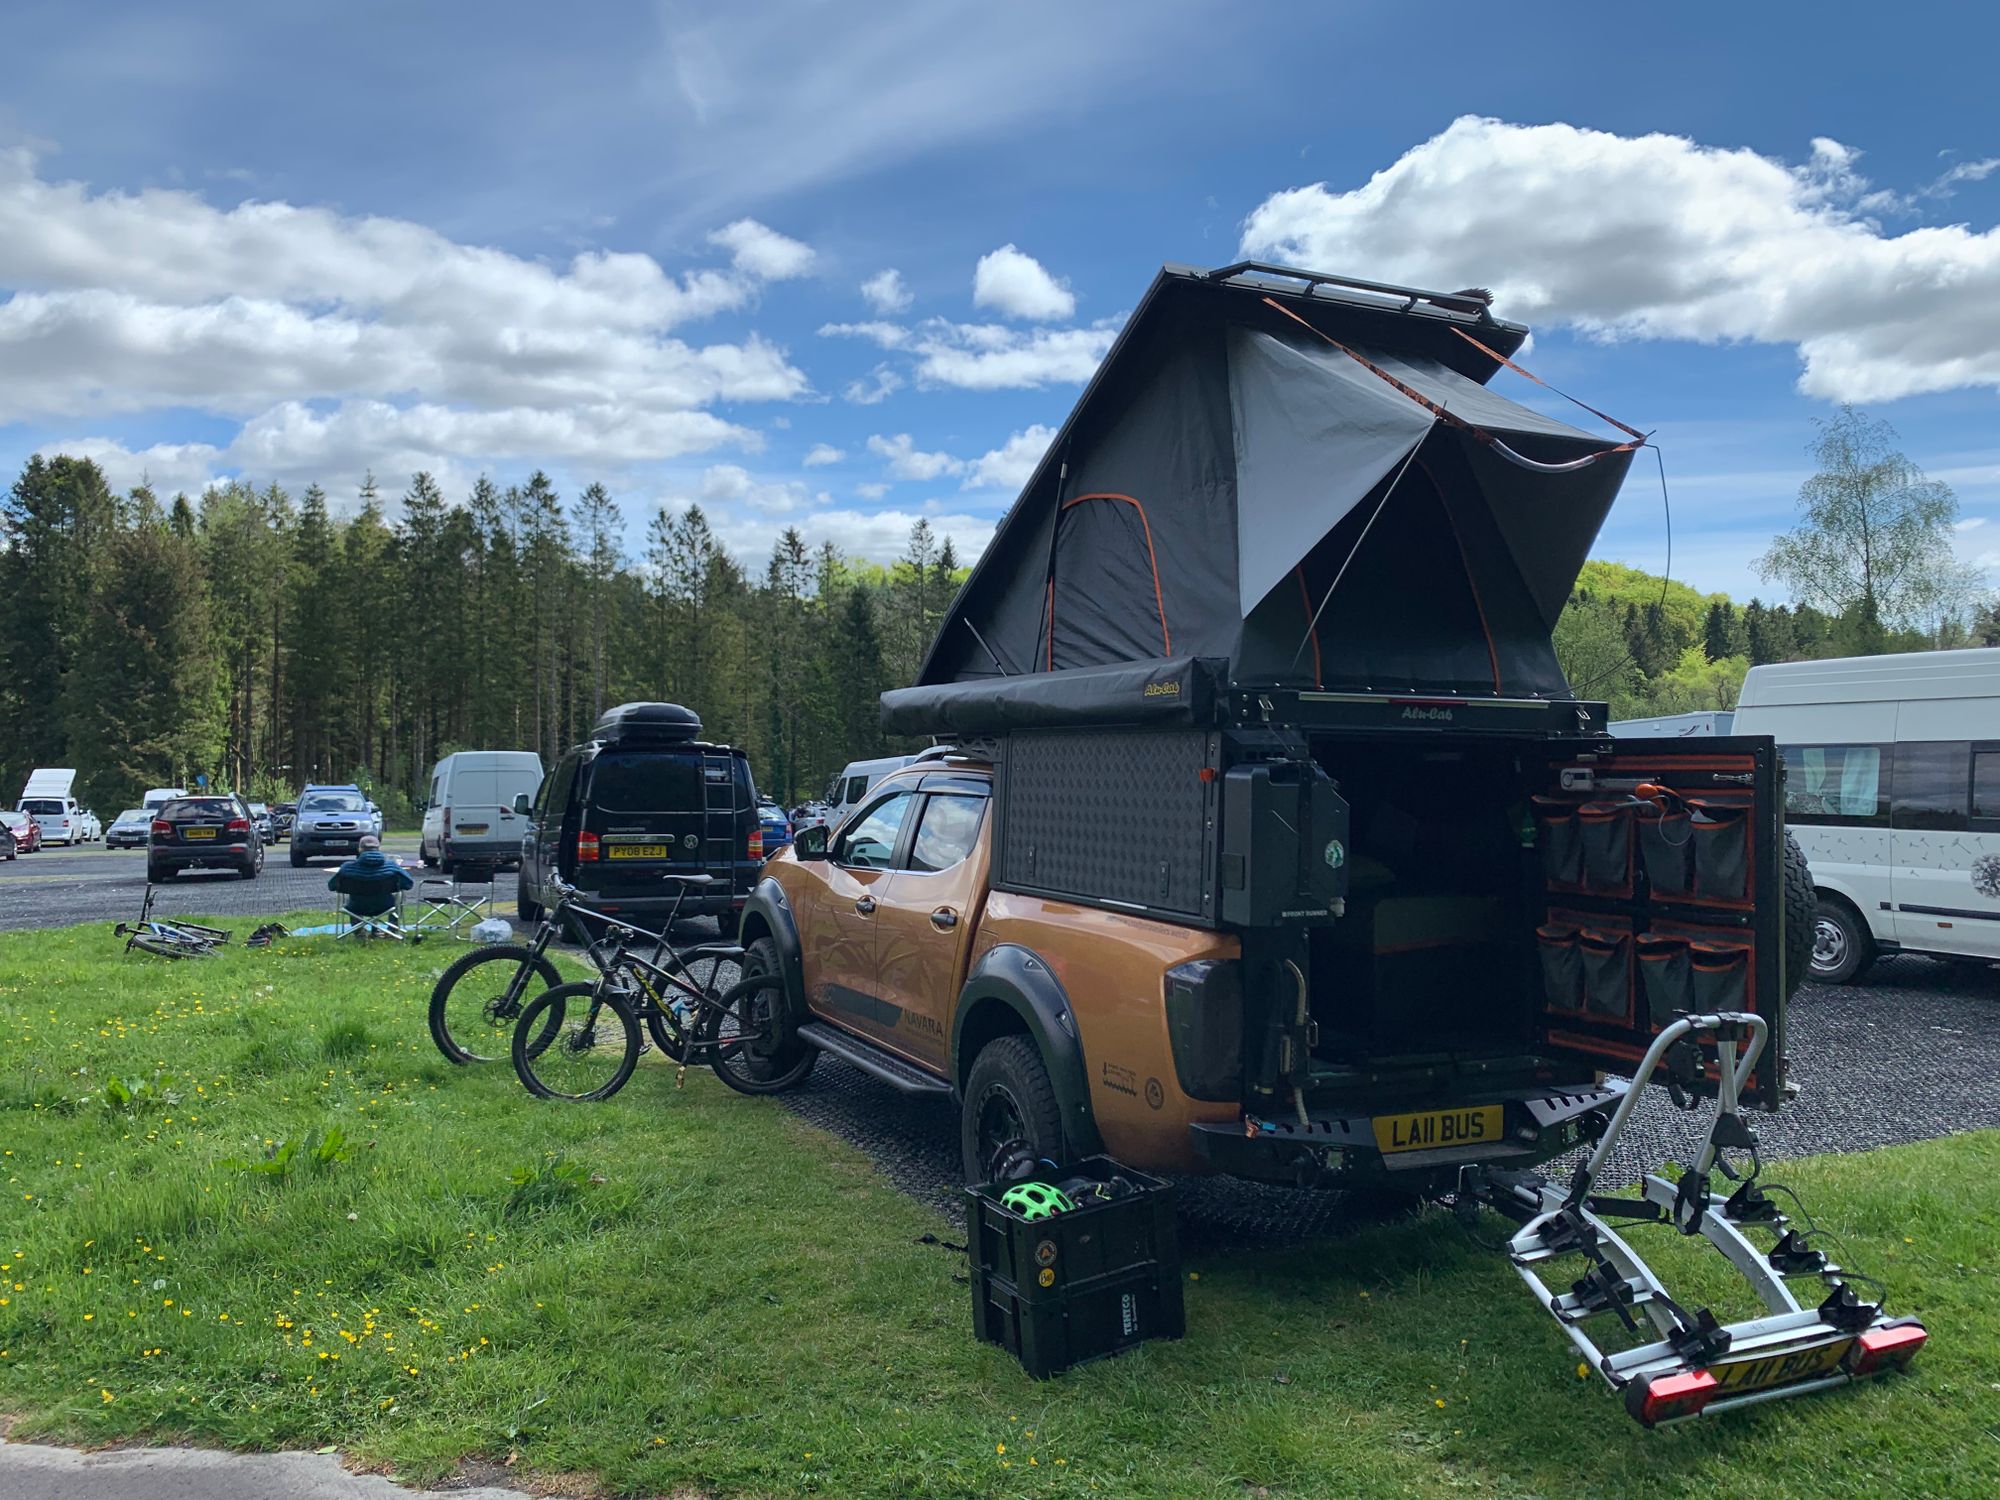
472,828
1438,1128
1747,1375
635,851
198,833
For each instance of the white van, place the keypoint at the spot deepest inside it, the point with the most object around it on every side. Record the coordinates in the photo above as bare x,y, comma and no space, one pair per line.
470,811
851,784
1893,789
159,796
46,799
1695,726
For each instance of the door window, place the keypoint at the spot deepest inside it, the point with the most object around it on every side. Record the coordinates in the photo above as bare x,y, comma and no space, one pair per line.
857,788
1834,784
871,843
555,790
949,829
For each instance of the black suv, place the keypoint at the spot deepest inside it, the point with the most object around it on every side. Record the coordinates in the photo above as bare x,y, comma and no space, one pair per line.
204,833
643,799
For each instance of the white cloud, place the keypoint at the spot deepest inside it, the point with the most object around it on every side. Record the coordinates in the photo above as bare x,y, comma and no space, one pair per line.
727,485
1014,284
873,388
886,293
871,490
760,251
1012,464
882,334
325,334
1658,237
907,461
984,356
824,453
875,536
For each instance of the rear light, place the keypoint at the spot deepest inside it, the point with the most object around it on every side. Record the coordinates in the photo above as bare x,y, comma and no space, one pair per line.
1668,1398
1888,1348
756,843
161,825
237,825
586,846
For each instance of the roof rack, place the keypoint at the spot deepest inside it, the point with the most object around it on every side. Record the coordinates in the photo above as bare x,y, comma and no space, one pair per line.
1473,301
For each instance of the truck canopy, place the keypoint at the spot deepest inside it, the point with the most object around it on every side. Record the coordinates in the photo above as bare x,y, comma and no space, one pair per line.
1303,479
49,781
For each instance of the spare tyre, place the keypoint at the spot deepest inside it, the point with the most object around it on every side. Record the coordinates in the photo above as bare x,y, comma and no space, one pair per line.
1801,911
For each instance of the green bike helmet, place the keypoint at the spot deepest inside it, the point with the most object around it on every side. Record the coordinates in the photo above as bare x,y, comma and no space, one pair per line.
1036,1200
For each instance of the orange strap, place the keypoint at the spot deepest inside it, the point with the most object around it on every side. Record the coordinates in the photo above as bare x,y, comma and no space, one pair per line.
1631,432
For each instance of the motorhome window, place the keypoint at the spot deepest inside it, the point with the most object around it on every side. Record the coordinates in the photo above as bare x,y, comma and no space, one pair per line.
949,829
872,843
633,781
1986,784
1932,782
47,807
1834,783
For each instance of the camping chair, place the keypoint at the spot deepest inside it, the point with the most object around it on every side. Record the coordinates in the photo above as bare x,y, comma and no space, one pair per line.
369,907
444,902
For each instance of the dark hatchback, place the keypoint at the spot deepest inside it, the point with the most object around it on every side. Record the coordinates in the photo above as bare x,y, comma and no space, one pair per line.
643,800
204,833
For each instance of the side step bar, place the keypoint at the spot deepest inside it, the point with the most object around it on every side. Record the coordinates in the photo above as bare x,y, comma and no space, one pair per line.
876,1062
1696,1365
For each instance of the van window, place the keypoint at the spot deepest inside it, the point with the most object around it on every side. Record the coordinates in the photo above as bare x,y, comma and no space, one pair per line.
47,807
1932,782
871,843
949,830
1834,783
857,788
633,781
553,797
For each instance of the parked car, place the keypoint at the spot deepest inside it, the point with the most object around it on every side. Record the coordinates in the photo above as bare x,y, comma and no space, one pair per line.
644,798
46,798
282,814
777,827
24,834
261,813
93,827
470,812
129,830
332,820
204,833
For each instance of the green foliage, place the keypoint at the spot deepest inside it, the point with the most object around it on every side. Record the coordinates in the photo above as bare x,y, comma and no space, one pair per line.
138,1095
318,1152
538,1187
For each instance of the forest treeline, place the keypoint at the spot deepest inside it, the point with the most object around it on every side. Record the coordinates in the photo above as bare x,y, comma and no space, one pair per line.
259,639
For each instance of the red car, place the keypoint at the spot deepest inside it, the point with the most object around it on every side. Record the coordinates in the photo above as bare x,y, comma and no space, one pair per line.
19,834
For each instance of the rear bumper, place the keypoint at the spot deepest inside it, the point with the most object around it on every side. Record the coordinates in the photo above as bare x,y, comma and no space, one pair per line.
1334,1150
221,857
500,848
124,841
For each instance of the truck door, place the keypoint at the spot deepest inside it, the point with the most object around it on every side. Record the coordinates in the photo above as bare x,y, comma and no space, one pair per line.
838,931
1661,879
926,910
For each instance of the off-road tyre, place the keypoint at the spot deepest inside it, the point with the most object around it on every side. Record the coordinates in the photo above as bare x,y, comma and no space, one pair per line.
1801,907
748,1041
1841,950
497,1025
1009,1100
558,1016
298,858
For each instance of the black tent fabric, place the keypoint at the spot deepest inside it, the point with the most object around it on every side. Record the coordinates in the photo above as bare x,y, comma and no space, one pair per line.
1234,485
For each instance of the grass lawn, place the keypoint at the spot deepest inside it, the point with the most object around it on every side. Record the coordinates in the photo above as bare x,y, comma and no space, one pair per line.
693,1292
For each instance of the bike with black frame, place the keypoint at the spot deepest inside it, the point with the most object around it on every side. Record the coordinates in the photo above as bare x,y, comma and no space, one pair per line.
168,939
581,1041
476,1001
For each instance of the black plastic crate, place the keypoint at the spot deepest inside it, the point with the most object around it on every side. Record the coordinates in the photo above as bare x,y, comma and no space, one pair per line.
1080,1285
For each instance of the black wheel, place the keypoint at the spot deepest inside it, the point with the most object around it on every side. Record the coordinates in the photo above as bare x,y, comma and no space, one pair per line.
1010,1105
1801,908
298,858
747,1041
157,873
526,907
166,947
476,1002
594,1048
1842,950
447,865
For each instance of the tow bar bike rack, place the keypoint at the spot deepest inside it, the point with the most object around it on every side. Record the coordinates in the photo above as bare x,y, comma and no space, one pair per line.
1695,1365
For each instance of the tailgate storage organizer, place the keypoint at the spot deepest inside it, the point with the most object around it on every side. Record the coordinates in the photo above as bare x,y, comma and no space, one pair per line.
1080,1285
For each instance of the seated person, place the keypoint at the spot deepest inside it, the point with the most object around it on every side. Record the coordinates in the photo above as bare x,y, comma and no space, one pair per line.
370,881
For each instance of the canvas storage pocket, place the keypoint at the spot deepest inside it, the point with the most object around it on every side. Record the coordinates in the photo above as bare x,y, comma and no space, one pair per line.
1721,850
1666,976
1558,840
1721,975
1666,849
1607,971
1606,831
1562,966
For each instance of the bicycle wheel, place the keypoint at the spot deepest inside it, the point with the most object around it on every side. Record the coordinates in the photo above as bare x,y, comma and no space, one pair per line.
671,1022
747,1042
168,947
477,1000
594,1048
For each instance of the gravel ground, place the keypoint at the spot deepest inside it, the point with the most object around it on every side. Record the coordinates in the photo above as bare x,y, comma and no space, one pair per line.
1912,1053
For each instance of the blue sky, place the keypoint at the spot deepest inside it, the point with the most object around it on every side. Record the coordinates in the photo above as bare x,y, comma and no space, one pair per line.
630,243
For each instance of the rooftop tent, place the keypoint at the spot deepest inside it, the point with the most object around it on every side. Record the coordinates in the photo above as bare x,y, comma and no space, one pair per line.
1231,460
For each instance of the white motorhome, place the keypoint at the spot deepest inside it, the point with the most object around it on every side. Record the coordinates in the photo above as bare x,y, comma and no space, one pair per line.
851,784
1893,790
470,810
46,798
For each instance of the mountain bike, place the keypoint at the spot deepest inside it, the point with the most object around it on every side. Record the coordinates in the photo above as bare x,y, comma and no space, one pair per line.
477,1000
581,1041
168,939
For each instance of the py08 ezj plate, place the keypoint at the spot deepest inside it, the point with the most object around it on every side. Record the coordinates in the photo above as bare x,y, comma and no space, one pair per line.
635,851
1437,1129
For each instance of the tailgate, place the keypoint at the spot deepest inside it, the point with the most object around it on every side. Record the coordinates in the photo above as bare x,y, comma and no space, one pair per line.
1662,869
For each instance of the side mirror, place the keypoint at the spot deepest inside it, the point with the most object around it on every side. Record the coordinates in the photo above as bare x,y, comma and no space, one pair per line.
521,804
810,844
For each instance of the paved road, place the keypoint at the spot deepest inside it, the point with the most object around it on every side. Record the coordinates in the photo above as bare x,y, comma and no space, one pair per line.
62,887
29,1471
